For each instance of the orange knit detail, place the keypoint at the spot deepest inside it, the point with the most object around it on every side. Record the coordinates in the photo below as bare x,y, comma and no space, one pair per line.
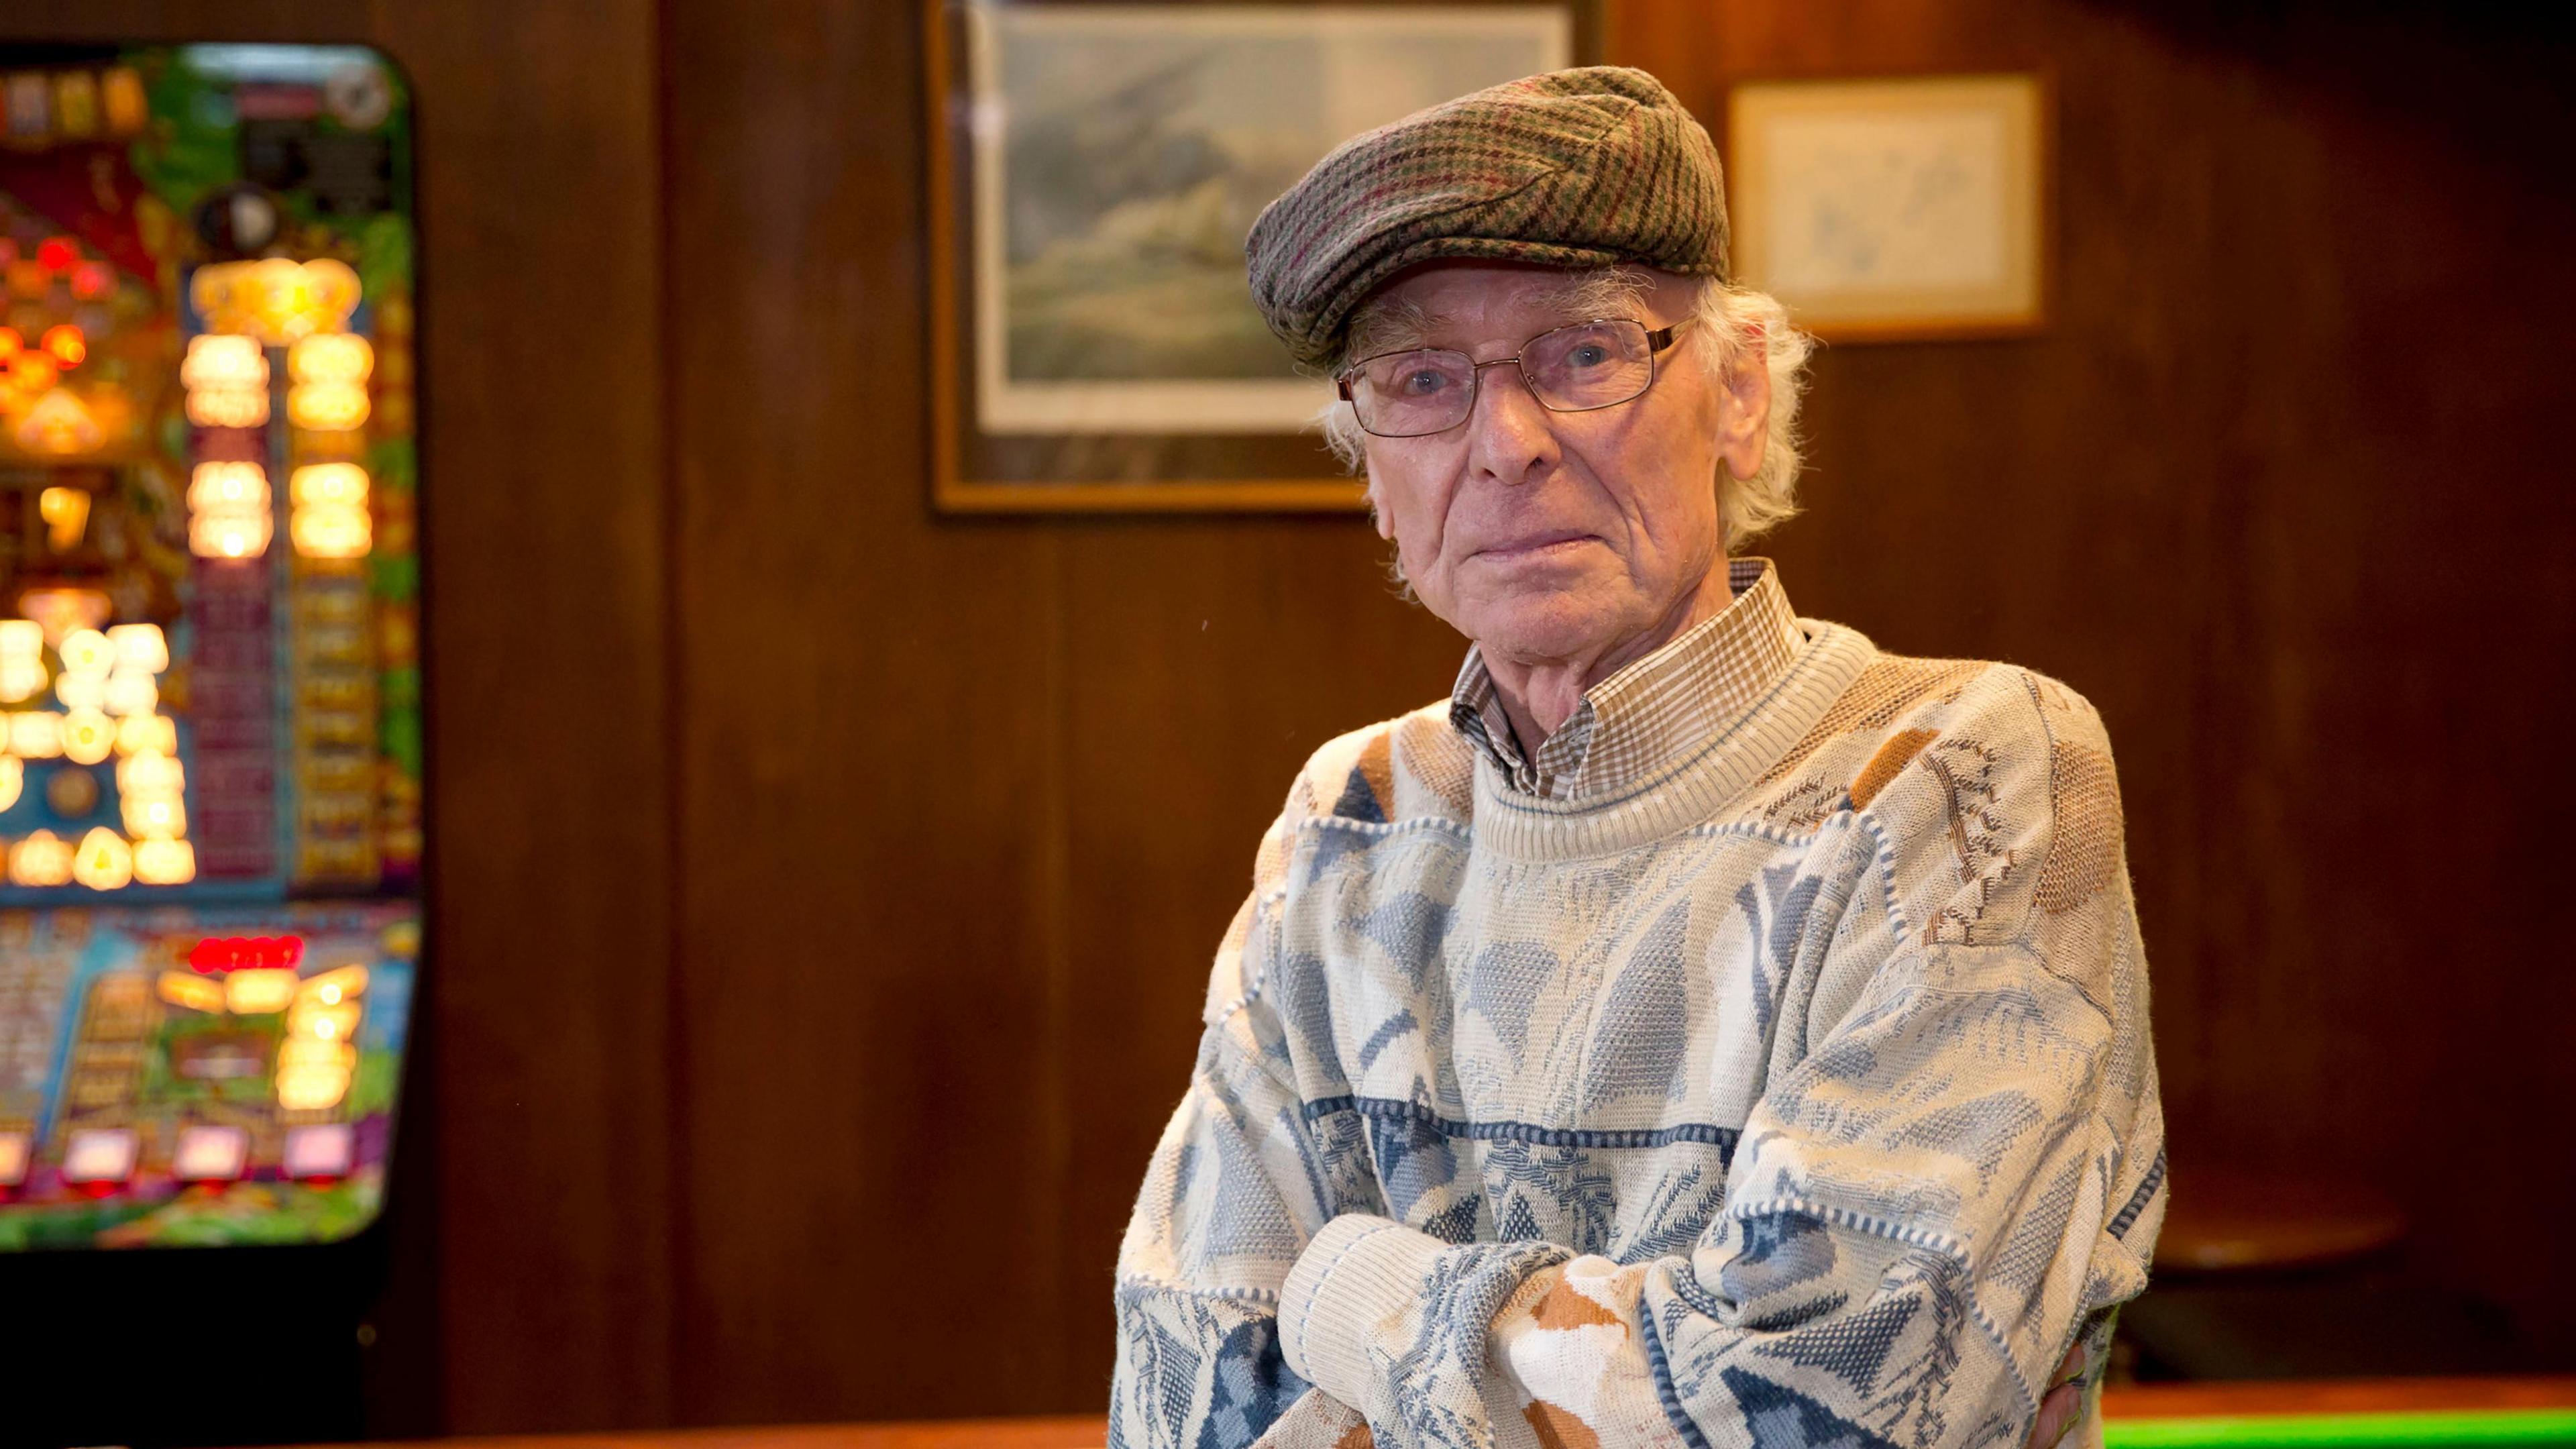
1892,757
1559,1428
2084,827
1564,1307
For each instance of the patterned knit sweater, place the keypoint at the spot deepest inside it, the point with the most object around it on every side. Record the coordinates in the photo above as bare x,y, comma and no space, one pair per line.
1802,1094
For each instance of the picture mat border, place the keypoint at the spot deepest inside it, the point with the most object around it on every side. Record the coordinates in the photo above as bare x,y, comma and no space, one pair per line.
2027,98
951,492
1203,406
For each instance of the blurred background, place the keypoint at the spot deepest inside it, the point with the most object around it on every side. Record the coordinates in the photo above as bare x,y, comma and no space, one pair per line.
821,887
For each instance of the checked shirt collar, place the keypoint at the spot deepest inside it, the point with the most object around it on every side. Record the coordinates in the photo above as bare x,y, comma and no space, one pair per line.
1652,714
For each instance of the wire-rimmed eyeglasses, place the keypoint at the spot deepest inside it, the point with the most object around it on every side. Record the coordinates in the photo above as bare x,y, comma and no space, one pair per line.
1576,368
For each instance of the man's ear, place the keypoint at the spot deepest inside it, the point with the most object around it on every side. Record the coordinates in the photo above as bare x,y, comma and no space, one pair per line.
1744,423
1378,518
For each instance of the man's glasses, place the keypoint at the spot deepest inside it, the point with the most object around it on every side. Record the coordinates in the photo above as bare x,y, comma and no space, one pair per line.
1571,369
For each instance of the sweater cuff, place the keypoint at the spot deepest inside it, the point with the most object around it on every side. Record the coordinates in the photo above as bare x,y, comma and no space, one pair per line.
1359,1272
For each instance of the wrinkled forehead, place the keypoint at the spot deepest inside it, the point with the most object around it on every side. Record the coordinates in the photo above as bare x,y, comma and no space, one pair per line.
1462,304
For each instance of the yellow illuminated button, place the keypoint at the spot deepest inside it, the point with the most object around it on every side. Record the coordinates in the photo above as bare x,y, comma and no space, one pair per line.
327,406
130,692
331,530
330,357
35,734
42,859
195,992
89,737
153,815
105,861
86,651
224,362
259,991
219,486
337,984
147,735
13,1158
13,778
140,647
165,862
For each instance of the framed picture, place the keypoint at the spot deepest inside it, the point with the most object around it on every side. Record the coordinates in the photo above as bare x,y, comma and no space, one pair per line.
1894,209
1094,169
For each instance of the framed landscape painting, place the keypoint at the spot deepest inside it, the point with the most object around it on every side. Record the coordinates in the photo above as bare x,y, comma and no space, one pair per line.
1906,208
1094,170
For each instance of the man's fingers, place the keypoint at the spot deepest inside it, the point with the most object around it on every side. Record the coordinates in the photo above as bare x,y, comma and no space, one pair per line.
2056,1416
2073,1368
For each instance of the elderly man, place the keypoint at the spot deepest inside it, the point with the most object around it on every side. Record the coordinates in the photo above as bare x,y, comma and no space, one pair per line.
1701,1028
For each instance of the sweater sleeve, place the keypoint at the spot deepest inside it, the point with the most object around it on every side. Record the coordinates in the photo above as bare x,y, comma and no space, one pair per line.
1957,1177
1234,1192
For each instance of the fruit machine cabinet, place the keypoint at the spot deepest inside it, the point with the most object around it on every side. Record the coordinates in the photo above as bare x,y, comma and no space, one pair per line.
210,727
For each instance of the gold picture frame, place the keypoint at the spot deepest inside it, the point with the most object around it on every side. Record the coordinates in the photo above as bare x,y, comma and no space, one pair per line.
1093,168
1895,209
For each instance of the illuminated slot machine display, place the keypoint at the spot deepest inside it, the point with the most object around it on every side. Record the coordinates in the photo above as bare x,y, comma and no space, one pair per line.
210,741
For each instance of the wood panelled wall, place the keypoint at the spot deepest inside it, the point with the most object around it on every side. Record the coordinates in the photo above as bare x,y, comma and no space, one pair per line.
825,889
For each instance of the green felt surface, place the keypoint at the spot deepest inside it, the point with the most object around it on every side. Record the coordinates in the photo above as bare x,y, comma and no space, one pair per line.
2346,1431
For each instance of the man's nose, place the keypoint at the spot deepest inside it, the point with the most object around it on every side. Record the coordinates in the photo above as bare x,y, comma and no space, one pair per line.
1510,435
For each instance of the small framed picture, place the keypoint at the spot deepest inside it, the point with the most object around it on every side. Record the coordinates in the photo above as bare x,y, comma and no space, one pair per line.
1094,169
1899,209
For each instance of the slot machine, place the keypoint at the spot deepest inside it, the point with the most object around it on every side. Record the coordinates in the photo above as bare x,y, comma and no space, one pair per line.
210,727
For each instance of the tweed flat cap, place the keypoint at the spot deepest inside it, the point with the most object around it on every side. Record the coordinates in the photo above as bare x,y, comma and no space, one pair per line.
1575,168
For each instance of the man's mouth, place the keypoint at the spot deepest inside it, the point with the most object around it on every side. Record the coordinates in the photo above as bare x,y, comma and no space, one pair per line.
1534,546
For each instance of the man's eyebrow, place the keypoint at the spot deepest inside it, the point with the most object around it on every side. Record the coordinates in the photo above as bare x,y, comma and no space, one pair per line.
1393,325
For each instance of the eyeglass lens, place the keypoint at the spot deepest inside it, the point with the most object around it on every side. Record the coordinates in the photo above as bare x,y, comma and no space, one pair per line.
1570,369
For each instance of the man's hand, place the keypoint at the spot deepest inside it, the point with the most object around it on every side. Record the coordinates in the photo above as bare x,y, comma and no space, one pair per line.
2057,1411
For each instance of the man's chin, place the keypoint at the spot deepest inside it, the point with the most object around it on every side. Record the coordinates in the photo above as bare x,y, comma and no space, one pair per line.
1541,631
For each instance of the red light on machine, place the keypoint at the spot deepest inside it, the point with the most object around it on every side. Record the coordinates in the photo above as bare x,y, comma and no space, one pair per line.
92,280
246,953
56,253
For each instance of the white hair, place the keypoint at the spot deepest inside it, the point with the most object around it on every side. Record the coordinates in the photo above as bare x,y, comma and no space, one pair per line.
1727,320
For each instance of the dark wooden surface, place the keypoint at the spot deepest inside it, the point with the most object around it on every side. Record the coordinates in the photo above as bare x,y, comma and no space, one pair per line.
825,888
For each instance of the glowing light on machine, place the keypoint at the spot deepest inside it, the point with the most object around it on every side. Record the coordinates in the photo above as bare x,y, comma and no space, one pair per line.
89,737
66,515
227,382
228,508
61,612
164,862
196,993
147,734
104,862
59,423
217,954
68,345
108,687
42,859
259,990
274,299
36,735
330,510
315,1061
329,371
22,659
